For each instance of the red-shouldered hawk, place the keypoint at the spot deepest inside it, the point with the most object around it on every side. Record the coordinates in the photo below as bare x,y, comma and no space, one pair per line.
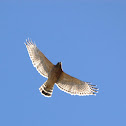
55,75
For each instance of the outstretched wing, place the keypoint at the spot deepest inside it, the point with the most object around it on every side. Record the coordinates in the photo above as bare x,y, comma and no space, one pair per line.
74,86
42,64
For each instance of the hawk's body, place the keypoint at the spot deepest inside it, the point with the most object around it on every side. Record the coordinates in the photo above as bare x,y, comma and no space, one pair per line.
55,74
53,77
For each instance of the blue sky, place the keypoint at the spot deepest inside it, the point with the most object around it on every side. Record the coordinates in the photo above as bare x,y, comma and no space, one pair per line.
89,37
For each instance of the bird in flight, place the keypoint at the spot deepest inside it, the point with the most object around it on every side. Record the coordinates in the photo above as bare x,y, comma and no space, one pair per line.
56,75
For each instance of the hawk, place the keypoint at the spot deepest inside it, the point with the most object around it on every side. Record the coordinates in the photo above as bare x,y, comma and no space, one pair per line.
56,75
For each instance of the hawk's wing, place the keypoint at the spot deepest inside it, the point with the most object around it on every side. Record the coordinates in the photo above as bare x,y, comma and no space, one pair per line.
42,64
74,86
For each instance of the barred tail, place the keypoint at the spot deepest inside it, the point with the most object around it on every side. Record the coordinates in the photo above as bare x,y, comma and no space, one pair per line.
47,92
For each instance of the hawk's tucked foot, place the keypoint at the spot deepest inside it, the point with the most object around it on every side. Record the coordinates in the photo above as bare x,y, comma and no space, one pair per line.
45,91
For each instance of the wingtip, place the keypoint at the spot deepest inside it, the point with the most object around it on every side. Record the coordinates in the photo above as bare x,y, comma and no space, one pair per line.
93,88
94,94
30,42
94,91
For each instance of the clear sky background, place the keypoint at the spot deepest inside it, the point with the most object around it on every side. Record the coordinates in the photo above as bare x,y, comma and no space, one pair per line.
88,36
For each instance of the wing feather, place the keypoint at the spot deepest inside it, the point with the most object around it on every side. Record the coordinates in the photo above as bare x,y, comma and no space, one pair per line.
74,86
42,64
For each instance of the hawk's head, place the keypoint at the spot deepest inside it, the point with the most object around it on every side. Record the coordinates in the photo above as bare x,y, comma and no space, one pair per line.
59,64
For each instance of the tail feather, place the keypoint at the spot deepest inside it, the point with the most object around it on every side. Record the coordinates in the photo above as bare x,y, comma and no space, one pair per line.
45,91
